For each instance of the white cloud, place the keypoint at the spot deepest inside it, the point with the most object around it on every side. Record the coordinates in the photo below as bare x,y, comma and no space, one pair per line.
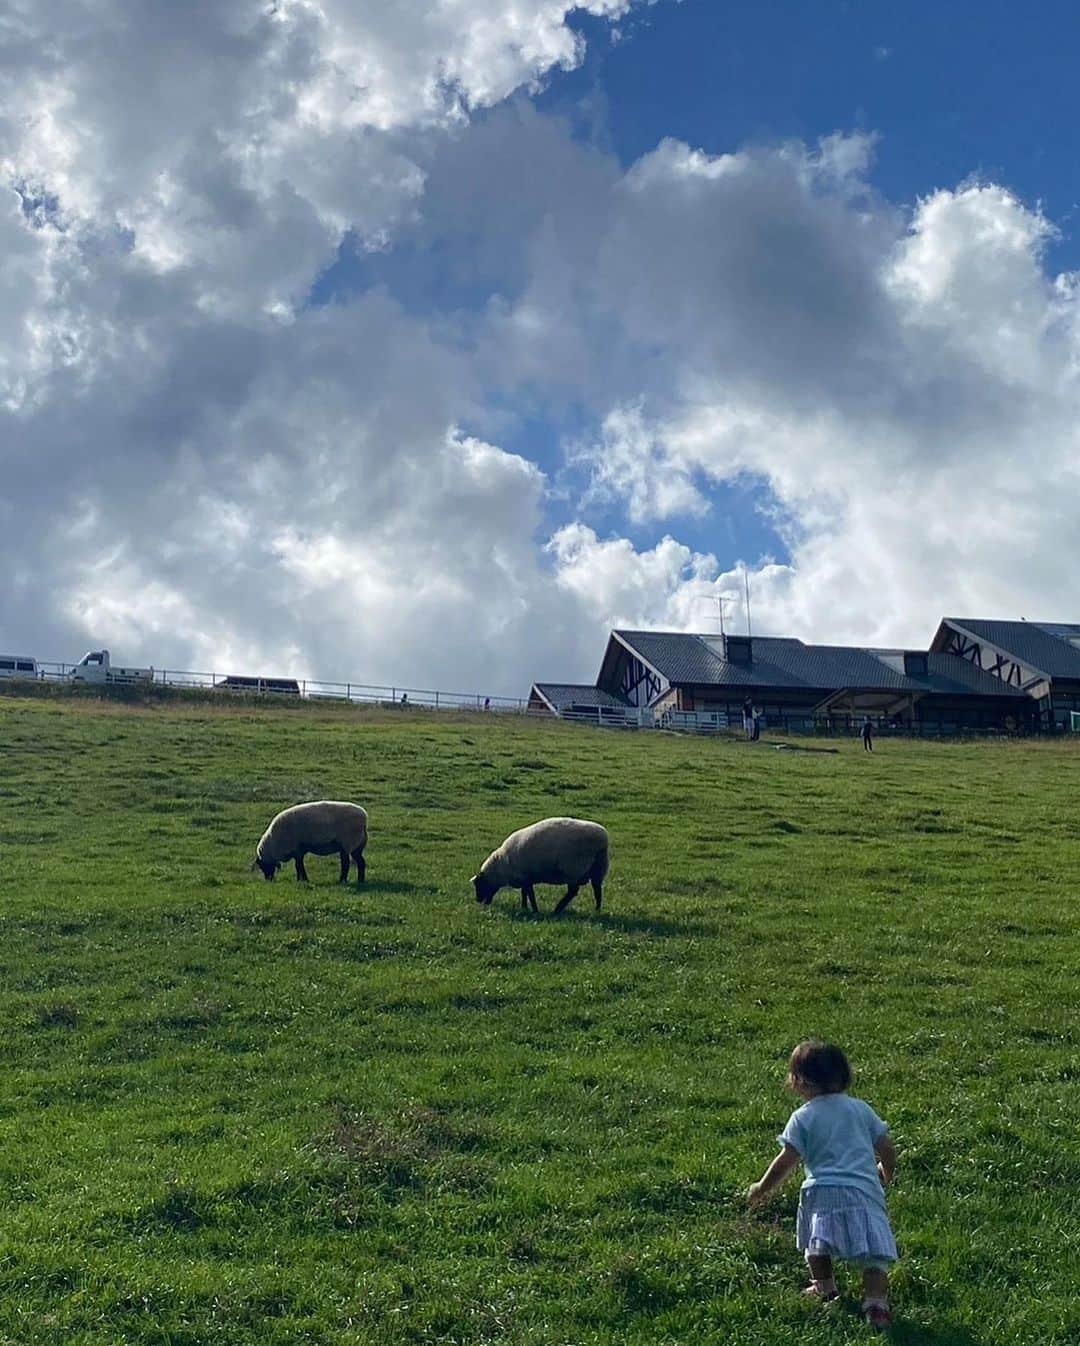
620,586
201,468
238,143
668,586
907,389
253,480
629,461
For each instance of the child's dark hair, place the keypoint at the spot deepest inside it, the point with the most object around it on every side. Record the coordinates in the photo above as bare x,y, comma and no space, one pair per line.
821,1066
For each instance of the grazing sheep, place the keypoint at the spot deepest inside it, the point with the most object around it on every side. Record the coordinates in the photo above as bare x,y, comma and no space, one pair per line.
557,850
326,828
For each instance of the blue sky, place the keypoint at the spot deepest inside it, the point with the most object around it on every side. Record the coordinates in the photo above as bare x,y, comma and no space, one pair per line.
983,87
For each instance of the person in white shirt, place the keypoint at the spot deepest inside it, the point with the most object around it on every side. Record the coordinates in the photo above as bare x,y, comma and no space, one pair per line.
848,1159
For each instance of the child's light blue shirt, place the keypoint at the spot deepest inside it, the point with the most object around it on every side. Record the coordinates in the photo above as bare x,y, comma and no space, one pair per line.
835,1137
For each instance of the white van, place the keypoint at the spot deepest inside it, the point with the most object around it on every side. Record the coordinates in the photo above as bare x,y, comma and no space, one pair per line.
18,666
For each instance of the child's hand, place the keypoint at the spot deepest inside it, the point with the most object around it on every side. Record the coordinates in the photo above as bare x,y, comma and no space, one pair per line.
884,1174
755,1193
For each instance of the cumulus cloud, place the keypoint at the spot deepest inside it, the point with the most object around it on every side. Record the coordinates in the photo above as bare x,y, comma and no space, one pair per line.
618,584
632,463
203,466
238,143
905,387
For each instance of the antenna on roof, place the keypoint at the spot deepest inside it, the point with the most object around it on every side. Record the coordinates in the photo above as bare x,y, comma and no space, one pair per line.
719,600
746,584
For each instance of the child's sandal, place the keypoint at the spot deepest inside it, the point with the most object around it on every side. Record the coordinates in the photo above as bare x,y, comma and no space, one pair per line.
814,1291
877,1316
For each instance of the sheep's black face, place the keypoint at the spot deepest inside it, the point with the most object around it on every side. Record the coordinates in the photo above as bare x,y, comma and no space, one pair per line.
485,890
268,867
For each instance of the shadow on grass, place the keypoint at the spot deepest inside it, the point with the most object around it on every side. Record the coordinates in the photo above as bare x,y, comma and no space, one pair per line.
630,925
918,1334
908,1331
377,887
639,925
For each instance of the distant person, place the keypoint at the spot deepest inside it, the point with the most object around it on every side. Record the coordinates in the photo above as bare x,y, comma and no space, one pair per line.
755,723
404,698
748,717
867,735
487,702
848,1159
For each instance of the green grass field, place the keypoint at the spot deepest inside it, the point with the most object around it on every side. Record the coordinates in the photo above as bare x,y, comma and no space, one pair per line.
241,1112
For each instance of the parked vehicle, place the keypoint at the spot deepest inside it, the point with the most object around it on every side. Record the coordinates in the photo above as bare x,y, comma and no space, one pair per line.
18,666
281,686
96,666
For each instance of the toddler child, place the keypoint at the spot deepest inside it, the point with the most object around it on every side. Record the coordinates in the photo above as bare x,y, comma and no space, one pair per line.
847,1157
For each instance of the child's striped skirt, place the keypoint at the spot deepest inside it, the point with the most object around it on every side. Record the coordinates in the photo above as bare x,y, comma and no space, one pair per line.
844,1222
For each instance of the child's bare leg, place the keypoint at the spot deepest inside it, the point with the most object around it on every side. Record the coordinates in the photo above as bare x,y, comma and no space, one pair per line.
875,1285
821,1270
875,1298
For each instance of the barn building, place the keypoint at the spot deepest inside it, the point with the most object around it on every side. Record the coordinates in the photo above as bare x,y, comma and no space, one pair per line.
690,680
1041,659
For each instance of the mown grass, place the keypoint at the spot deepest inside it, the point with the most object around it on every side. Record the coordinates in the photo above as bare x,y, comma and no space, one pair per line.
236,1112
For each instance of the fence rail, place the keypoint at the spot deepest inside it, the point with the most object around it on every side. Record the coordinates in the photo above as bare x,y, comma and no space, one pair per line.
313,689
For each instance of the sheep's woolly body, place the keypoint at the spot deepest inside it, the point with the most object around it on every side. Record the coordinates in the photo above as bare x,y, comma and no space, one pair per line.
321,828
557,850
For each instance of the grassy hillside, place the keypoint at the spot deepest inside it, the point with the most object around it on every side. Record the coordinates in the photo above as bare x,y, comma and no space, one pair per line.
237,1112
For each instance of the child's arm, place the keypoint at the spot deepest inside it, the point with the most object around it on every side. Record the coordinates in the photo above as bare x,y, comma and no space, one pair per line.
778,1172
886,1153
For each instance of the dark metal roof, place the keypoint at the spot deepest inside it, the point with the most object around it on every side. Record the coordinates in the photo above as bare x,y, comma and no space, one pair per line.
790,663
948,673
1044,646
562,694
676,655
783,662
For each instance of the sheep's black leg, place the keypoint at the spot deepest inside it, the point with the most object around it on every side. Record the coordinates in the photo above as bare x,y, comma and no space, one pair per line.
571,893
344,875
596,892
361,867
301,872
528,897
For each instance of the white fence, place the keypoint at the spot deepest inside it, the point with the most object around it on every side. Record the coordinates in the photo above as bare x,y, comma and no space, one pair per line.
695,721
607,717
311,688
